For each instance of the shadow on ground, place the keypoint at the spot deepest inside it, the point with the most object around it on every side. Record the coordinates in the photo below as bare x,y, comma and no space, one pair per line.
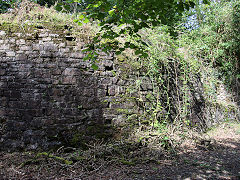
219,160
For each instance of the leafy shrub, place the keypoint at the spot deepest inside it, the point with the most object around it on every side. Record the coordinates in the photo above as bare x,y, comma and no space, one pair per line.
216,41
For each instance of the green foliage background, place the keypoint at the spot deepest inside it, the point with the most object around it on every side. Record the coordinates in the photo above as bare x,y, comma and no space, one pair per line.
216,41
187,72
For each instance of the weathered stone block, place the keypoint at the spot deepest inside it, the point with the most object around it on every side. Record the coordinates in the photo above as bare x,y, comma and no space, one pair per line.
106,81
2,72
4,47
46,39
56,72
20,42
64,50
69,80
77,55
18,34
10,53
21,57
121,89
50,47
112,90
2,33
69,71
44,34
25,48
39,47
62,45
89,92
12,40
45,54
101,92
54,35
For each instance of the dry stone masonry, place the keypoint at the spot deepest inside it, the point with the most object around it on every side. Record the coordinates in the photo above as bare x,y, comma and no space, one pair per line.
50,96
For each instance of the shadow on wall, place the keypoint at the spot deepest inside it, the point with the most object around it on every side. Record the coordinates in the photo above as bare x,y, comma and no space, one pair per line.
48,102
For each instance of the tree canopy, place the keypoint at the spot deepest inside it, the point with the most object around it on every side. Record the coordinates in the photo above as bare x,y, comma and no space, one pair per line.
117,18
120,18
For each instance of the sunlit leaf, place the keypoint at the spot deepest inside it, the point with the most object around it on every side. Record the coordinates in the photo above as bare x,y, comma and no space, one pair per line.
86,20
111,12
85,58
81,17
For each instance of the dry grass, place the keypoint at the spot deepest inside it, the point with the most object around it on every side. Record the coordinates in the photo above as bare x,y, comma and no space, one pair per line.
29,16
121,160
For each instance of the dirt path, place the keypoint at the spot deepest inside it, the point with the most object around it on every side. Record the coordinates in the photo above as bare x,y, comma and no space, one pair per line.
215,159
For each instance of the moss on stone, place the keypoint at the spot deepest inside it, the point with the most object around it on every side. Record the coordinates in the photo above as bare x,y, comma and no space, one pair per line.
23,20
57,158
78,140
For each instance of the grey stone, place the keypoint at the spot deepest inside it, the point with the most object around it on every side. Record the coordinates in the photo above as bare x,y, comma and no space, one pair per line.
2,33
69,80
46,89
20,42
25,48
4,47
69,72
21,57
10,53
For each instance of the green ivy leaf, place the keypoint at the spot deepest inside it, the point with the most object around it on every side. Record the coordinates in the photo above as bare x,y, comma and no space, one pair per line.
58,7
111,12
94,66
67,7
192,4
81,17
127,44
85,58
144,55
206,2
132,46
118,52
121,49
86,20
137,52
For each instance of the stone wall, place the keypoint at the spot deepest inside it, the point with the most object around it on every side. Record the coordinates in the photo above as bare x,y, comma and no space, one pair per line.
50,96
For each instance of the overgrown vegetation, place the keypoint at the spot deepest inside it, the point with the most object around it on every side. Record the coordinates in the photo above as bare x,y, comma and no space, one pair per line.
29,17
188,76
216,41
118,18
194,77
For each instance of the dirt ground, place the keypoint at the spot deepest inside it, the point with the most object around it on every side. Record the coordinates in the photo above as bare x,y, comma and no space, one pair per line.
217,157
